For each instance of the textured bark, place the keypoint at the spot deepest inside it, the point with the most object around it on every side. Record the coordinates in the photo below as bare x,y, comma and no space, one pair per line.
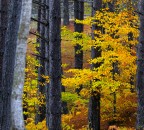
19,70
14,11
140,69
41,109
94,101
54,65
3,25
65,12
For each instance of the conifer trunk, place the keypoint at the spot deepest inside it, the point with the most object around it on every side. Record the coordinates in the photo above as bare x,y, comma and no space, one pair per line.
47,62
4,24
78,14
140,69
41,109
65,12
54,65
94,101
14,12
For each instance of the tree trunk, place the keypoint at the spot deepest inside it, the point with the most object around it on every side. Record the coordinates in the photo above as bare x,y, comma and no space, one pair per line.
94,111
3,24
140,69
19,70
47,62
41,109
78,14
94,101
14,12
54,65
65,12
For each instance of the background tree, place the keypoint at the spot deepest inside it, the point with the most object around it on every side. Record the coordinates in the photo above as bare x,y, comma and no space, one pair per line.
94,102
66,12
41,108
78,28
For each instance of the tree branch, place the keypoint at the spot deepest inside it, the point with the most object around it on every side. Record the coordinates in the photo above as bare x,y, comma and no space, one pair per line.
44,23
36,34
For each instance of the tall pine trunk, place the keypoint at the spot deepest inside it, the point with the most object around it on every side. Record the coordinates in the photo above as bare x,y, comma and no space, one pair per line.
41,109
94,101
140,69
3,25
14,12
19,70
78,14
54,65
47,63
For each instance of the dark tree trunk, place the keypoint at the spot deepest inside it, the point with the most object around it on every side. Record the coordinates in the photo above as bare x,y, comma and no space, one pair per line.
41,109
140,69
65,12
3,22
94,101
94,111
78,14
54,65
47,62
14,12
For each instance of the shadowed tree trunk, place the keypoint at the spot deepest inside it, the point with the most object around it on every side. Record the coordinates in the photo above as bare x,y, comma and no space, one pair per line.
3,25
78,14
54,65
19,71
10,42
140,69
41,109
94,101
65,12
47,62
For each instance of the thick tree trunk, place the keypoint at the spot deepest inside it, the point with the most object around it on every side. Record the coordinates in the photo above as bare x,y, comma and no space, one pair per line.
3,25
140,69
65,12
19,70
54,65
94,101
14,11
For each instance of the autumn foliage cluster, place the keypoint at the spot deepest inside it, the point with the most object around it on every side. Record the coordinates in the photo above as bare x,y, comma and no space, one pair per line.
115,76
